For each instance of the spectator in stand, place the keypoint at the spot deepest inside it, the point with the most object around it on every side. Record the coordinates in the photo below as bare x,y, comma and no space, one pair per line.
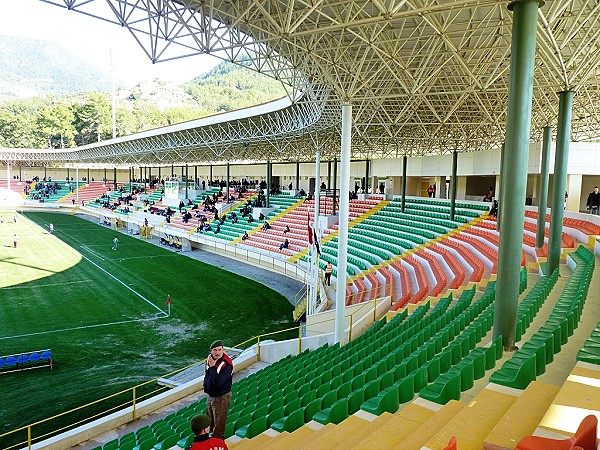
287,229
245,236
284,244
430,191
266,226
593,202
202,441
15,240
328,271
217,385
494,209
489,196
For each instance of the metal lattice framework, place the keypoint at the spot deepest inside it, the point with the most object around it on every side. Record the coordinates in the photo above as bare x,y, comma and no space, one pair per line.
424,76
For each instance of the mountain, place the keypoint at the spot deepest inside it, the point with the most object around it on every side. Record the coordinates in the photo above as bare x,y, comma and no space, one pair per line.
31,67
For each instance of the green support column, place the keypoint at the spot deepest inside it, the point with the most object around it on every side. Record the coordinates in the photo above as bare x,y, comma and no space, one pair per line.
404,161
329,174
172,170
115,177
453,183
195,177
210,177
159,175
268,183
543,202
563,137
88,176
297,175
501,187
518,125
68,174
367,176
227,184
334,185
186,182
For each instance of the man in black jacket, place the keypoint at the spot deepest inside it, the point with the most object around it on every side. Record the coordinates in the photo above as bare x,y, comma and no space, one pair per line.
593,201
217,385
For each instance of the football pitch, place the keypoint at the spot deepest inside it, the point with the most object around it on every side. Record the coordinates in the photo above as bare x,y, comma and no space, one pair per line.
103,312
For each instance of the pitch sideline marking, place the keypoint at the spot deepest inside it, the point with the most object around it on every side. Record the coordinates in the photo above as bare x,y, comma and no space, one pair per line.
162,316
121,282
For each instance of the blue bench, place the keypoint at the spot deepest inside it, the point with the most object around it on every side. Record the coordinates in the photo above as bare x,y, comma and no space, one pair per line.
25,361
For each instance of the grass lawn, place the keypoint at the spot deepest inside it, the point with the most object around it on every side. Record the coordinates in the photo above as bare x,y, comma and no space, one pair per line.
103,313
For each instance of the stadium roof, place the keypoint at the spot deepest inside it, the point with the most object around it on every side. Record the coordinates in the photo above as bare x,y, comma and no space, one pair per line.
424,76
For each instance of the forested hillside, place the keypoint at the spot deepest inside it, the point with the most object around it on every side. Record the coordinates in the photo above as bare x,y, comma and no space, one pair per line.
60,120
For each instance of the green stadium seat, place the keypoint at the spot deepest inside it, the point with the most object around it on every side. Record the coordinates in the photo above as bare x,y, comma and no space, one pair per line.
334,414
447,387
167,442
186,440
388,400
516,374
113,445
274,416
253,429
291,422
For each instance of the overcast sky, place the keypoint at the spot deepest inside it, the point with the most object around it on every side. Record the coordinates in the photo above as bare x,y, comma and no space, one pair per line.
94,40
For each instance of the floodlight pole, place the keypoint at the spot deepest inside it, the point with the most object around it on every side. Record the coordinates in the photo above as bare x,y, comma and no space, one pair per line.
340,303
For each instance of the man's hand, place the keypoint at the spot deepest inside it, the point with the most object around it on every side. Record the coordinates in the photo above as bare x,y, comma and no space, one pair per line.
210,362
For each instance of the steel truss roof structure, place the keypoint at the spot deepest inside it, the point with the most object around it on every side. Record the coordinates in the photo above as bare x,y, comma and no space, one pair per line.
424,76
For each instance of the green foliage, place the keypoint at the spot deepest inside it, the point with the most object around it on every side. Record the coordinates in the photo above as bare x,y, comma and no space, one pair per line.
68,120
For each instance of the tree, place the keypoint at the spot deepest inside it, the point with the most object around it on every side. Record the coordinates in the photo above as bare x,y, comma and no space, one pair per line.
57,124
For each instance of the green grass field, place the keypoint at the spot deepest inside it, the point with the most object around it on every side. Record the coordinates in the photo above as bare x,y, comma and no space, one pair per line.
103,312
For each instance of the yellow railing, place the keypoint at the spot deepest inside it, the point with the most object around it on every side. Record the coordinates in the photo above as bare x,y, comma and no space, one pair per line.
133,397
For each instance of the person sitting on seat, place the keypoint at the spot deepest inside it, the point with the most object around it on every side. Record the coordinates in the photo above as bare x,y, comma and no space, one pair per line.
284,244
261,216
245,236
266,226
287,229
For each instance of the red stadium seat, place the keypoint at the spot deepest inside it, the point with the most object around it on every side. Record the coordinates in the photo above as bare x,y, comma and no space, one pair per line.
584,437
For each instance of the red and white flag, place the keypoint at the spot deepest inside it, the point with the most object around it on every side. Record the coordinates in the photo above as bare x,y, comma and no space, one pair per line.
168,299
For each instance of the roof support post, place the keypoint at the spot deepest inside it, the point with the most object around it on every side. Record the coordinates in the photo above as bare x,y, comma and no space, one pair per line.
227,184
453,183
340,299
314,282
543,199
329,174
8,174
503,163
210,177
297,175
115,177
335,164
186,180
77,183
195,176
366,186
518,124
404,162
563,136
88,176
268,196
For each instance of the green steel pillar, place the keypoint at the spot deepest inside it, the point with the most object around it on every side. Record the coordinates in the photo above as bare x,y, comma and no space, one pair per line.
172,170
563,136
115,177
329,174
68,179
268,196
543,202
210,180
195,176
227,195
335,164
503,169
297,175
404,161
159,174
518,125
186,182
88,176
453,183
367,176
